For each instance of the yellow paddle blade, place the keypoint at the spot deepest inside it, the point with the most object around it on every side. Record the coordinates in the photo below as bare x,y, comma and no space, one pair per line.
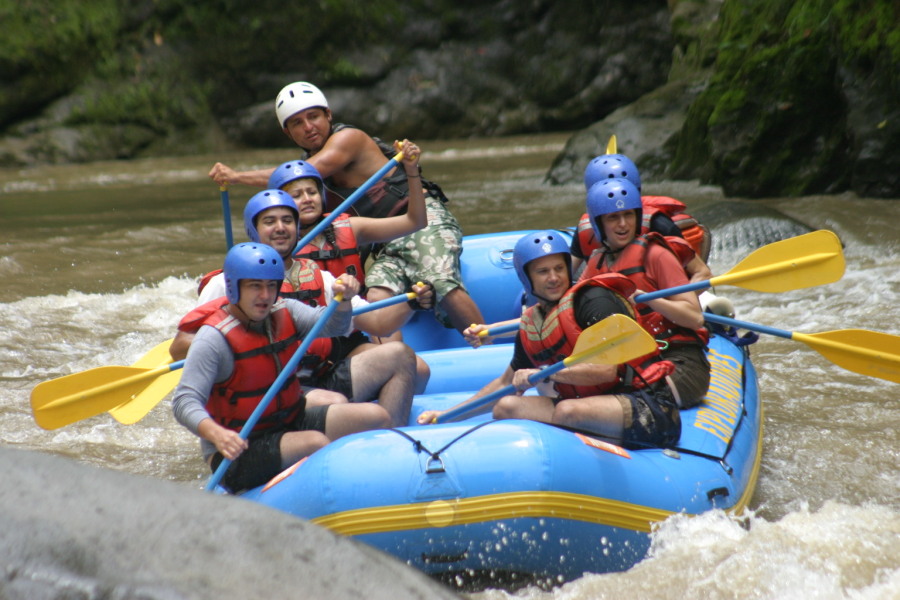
867,352
614,340
156,357
136,408
611,145
799,262
61,401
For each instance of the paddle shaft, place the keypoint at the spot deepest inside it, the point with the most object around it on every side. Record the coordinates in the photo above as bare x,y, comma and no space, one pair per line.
346,204
869,353
508,328
289,370
226,215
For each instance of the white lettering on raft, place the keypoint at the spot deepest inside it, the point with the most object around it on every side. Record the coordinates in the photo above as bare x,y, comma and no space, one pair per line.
719,412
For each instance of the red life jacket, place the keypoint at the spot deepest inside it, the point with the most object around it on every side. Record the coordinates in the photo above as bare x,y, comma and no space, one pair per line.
255,368
551,337
631,263
695,234
304,283
339,253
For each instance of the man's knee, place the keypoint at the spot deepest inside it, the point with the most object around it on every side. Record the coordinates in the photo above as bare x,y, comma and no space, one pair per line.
507,407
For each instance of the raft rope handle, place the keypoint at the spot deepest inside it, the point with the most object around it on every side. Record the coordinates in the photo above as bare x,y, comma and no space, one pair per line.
436,456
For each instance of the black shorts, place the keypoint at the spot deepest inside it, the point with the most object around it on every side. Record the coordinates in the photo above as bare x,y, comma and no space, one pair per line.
261,461
651,416
337,380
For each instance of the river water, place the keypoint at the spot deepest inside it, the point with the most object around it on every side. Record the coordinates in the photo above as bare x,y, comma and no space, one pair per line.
99,261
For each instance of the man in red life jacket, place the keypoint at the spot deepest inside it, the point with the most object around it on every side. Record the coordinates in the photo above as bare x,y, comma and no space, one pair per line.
631,403
237,354
336,369
347,157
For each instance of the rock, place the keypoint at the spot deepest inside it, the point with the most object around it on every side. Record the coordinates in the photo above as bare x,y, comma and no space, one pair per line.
75,531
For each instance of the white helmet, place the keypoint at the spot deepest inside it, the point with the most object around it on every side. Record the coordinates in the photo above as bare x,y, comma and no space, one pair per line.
295,97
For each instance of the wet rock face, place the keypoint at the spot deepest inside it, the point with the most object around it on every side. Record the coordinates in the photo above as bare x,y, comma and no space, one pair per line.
72,531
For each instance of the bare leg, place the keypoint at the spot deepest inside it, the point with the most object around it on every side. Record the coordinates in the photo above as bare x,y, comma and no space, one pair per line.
300,444
374,294
344,419
322,397
600,414
535,408
423,371
386,373
461,309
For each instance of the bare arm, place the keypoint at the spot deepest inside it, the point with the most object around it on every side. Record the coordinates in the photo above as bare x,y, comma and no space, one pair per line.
223,174
370,231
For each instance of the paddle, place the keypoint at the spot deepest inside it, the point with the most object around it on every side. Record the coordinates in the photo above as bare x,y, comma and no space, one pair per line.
289,370
500,330
799,262
614,340
870,353
226,215
78,396
351,199
136,407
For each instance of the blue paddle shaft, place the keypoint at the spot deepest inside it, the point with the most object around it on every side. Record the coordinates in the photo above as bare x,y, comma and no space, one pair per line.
343,206
380,304
226,214
504,391
503,329
289,370
678,289
749,326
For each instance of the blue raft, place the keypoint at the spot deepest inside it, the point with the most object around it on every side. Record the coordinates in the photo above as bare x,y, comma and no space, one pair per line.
520,498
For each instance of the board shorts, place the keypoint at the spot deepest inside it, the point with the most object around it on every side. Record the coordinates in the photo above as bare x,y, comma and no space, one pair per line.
261,461
691,376
430,254
651,417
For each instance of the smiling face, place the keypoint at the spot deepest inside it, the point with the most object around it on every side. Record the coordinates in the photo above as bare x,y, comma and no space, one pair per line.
549,277
277,227
619,228
309,128
257,297
306,194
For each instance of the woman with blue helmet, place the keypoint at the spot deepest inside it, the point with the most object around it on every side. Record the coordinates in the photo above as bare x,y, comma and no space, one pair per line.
652,262
603,399
342,246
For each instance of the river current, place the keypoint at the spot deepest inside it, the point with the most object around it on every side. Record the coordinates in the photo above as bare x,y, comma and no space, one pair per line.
99,261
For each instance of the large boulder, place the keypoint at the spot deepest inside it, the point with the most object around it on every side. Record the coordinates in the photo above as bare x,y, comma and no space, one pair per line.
75,531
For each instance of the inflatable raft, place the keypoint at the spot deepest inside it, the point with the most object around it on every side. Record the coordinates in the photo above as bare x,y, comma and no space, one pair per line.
485,498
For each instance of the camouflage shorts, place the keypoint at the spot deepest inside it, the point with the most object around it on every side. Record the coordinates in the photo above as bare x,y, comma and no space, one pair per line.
430,254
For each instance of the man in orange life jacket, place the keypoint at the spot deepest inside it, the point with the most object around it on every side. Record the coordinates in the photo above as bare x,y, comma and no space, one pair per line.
653,263
335,369
236,356
347,157
631,403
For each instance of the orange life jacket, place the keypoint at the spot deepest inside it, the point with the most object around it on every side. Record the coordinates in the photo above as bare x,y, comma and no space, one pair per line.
339,253
257,363
551,337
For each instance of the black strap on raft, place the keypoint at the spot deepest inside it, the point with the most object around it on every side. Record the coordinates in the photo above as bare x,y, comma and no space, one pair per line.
435,457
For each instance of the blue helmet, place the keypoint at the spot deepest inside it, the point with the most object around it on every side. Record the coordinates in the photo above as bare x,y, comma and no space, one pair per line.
293,170
250,261
263,201
609,196
611,166
535,245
